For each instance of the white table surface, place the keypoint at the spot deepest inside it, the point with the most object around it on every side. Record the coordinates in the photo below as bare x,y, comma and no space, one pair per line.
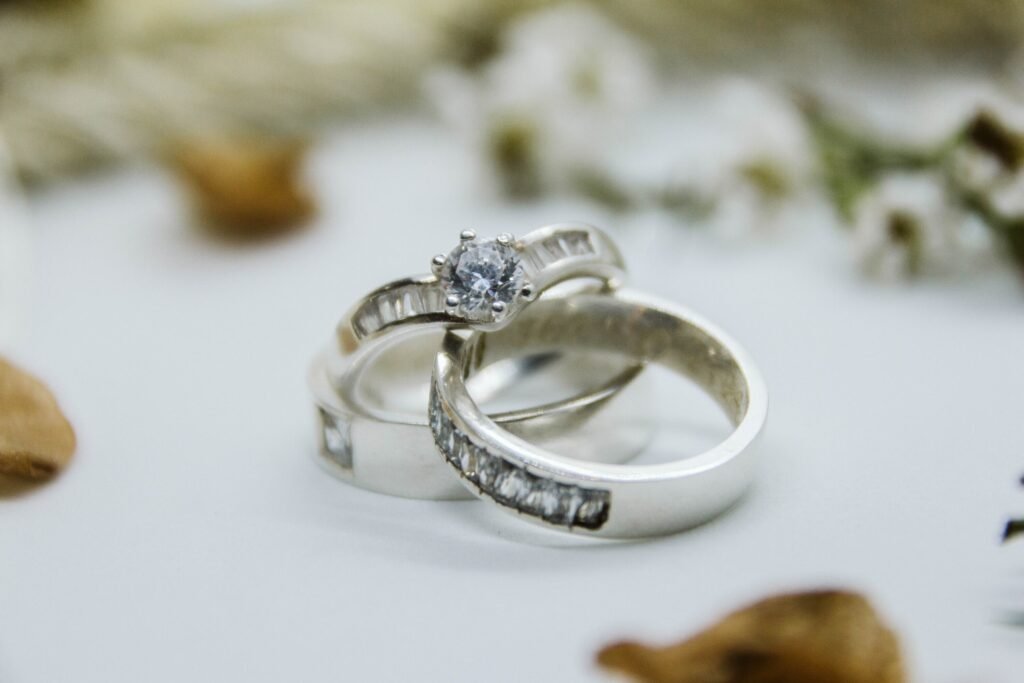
194,539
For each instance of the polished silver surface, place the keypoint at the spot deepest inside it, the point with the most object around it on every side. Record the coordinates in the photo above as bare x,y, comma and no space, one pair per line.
544,258
384,444
386,342
557,490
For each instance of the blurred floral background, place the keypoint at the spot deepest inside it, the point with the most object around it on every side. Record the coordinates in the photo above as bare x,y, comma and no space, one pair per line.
895,127
904,120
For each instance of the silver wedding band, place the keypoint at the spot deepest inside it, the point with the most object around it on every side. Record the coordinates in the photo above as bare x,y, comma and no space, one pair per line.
391,451
561,492
392,333
477,321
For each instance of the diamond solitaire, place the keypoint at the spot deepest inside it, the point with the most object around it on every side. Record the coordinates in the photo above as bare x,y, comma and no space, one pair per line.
483,280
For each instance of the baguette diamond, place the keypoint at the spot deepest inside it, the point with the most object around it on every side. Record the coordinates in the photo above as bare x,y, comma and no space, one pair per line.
511,484
335,438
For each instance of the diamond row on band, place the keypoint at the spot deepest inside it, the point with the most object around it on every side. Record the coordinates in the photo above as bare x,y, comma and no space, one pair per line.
564,244
511,485
396,305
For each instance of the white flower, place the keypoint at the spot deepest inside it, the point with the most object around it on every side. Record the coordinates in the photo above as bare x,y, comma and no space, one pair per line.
1008,197
982,173
906,225
554,97
989,161
976,170
763,130
754,158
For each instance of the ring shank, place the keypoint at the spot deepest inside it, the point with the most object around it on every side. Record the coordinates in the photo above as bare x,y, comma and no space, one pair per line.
404,310
640,500
384,444
642,333
392,451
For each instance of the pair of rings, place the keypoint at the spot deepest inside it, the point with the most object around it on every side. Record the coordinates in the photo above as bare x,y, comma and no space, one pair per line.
389,423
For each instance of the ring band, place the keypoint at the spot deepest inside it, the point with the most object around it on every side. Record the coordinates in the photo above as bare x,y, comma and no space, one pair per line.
396,455
482,285
599,499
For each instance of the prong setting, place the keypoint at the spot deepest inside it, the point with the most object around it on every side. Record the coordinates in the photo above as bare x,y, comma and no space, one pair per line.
481,279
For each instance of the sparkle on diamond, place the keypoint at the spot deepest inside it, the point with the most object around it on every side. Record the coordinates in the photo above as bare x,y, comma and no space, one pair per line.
480,274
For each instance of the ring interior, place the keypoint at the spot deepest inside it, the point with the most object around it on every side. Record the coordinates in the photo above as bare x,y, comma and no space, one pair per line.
396,381
608,324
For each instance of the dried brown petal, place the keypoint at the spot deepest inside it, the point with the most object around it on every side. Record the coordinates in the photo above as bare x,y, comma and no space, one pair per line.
36,440
816,637
247,188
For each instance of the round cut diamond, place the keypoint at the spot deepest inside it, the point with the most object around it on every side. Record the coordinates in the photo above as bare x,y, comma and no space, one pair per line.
480,274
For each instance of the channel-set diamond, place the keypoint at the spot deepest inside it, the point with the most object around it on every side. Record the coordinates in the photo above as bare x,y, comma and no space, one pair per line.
512,485
335,438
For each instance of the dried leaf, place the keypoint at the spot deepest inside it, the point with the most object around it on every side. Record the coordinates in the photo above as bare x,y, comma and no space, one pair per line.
1013,528
36,440
247,188
816,637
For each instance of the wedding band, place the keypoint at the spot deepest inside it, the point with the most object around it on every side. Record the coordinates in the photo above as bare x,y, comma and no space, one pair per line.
395,455
617,501
480,284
